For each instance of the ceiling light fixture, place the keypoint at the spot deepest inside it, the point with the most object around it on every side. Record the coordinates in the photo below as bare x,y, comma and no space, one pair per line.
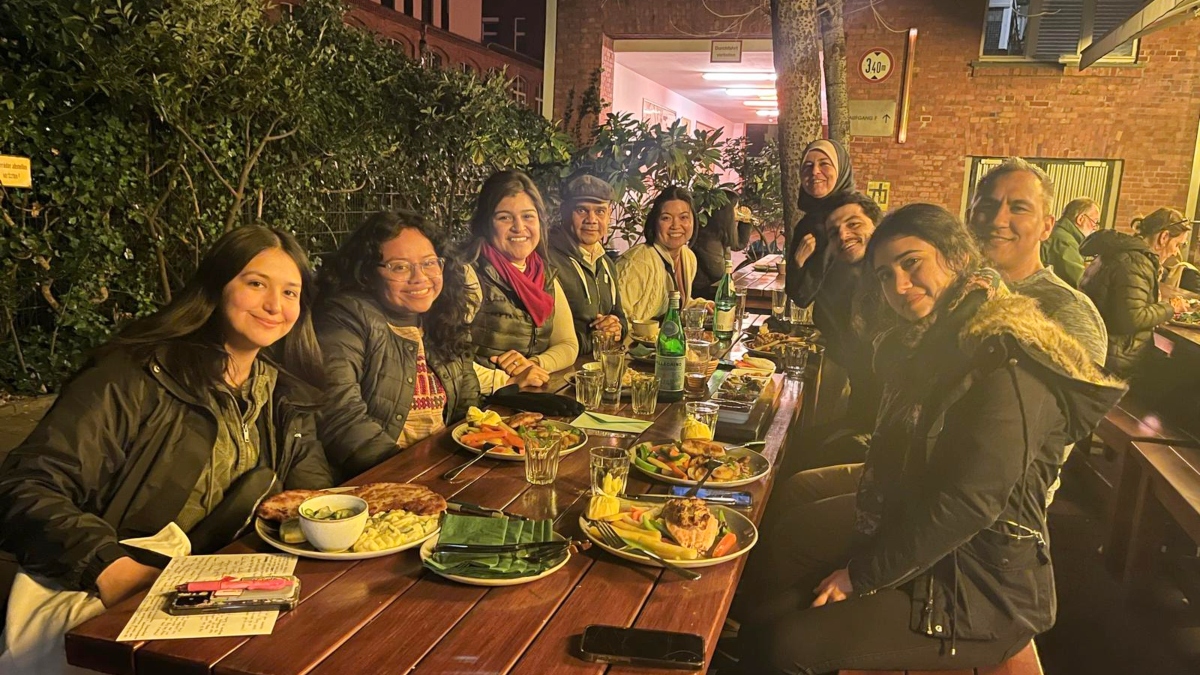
730,76
768,113
751,91
761,104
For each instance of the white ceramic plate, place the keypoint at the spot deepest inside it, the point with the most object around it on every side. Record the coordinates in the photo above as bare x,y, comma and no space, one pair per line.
461,430
427,550
270,534
760,464
740,525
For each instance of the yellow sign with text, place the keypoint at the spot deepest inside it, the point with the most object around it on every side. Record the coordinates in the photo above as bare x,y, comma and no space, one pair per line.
881,192
15,172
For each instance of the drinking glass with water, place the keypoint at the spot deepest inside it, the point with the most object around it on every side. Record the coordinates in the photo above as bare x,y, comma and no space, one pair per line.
609,470
541,458
612,365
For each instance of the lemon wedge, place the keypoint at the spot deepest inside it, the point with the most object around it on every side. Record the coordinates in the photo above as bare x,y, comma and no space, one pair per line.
696,429
478,417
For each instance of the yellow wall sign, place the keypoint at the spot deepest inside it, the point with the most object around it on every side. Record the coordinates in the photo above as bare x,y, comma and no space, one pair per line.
880,191
15,172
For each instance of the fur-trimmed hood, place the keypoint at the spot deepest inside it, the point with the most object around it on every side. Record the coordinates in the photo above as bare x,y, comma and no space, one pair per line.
1084,392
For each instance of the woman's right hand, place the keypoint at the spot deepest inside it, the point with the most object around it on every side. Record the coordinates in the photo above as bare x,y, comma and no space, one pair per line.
808,245
512,362
1178,304
124,578
532,377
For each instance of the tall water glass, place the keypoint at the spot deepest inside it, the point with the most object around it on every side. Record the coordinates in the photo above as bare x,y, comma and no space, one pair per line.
644,389
798,315
779,301
695,378
701,413
739,316
601,341
612,364
609,470
693,322
541,459
795,357
589,388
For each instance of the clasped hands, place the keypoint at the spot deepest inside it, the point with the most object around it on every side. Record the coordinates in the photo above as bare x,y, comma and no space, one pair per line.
526,373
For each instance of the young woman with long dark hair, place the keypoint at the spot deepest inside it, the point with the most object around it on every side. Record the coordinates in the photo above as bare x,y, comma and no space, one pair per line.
521,322
944,556
181,424
391,327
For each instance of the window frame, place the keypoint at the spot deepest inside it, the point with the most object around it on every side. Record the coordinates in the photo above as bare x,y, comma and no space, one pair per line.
1032,31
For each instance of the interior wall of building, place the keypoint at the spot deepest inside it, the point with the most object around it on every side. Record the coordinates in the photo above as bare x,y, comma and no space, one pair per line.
630,89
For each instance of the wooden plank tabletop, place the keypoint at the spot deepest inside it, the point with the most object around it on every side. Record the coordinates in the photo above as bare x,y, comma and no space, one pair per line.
757,283
390,615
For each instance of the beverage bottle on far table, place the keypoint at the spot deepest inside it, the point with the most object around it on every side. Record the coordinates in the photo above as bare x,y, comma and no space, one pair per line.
670,354
726,306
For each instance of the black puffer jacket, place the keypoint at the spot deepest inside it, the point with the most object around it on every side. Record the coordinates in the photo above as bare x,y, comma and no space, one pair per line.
1123,282
591,290
952,502
371,373
118,455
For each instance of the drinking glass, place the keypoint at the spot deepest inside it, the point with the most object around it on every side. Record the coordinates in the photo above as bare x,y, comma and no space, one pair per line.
798,315
589,388
644,394
702,412
612,364
693,322
739,316
601,342
795,357
695,378
779,301
541,459
610,470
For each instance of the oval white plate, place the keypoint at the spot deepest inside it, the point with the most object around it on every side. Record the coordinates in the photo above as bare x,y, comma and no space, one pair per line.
761,464
269,534
461,430
740,525
427,550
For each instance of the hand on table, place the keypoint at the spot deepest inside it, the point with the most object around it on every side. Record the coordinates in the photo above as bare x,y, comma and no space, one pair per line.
808,245
512,362
834,588
532,377
122,579
609,324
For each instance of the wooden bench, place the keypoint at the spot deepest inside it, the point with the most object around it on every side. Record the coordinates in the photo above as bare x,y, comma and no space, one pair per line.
1025,662
1159,481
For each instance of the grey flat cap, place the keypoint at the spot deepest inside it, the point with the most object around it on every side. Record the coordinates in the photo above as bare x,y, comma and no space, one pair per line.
588,188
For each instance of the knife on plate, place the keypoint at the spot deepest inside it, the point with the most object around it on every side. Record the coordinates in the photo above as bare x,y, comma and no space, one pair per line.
477,510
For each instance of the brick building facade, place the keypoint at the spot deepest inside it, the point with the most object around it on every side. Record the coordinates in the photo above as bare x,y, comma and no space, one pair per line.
1145,114
448,49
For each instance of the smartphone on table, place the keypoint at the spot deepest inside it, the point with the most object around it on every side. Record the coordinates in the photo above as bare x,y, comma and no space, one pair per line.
640,647
235,595
741,498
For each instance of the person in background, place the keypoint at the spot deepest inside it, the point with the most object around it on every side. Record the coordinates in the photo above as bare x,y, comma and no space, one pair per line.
390,326
648,272
825,172
943,552
1123,281
1010,217
1060,252
164,443
521,323
587,275
723,234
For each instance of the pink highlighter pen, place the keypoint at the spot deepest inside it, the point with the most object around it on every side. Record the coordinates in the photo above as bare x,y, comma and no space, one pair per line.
234,583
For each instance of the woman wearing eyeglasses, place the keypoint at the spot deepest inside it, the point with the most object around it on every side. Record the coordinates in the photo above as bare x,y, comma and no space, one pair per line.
390,326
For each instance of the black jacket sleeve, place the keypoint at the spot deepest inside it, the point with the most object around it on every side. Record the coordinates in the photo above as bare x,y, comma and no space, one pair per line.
466,383
976,462
1133,302
354,440
48,483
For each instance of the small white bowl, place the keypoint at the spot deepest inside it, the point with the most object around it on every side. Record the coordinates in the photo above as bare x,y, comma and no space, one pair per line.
333,535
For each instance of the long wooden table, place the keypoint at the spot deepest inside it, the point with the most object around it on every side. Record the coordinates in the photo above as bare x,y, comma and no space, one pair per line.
389,615
758,285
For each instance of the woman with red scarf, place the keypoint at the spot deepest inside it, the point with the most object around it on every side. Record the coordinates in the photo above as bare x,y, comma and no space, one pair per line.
521,324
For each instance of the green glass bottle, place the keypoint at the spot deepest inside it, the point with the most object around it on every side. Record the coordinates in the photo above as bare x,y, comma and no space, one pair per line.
725,314
670,354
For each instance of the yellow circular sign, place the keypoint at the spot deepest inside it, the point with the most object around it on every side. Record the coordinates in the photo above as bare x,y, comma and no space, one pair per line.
876,65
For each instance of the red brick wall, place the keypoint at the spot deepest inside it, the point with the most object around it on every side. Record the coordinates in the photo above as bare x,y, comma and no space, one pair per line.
453,50
1146,114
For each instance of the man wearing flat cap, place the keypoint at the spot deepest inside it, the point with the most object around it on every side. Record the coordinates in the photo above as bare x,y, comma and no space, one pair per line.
587,275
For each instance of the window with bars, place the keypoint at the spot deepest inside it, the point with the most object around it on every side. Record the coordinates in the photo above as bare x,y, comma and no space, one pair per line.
1054,31
518,90
1099,179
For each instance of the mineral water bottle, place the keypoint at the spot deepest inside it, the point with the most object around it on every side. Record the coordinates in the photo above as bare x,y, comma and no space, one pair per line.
726,310
670,354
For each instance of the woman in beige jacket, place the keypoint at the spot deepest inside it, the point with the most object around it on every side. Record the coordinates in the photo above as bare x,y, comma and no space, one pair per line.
649,272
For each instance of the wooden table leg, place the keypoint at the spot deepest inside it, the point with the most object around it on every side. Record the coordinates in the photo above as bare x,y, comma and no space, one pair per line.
1134,483
1149,529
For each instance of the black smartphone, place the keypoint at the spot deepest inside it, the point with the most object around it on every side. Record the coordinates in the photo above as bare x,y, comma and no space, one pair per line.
639,647
740,498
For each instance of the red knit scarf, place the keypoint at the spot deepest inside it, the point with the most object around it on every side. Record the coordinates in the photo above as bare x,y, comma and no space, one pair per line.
528,285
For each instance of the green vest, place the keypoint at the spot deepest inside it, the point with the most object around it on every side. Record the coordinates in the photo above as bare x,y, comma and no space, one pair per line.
502,323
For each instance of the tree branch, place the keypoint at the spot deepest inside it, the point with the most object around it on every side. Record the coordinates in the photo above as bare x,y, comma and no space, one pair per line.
239,195
207,160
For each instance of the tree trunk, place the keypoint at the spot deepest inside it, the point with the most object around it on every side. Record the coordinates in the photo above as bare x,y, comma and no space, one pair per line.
795,40
833,42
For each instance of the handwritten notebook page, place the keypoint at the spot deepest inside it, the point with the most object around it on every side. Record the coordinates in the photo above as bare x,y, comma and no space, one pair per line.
152,622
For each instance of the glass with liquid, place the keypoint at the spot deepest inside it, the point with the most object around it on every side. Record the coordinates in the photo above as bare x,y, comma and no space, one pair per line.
541,459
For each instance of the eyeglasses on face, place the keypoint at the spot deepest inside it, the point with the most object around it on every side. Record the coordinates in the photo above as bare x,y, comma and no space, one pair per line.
403,269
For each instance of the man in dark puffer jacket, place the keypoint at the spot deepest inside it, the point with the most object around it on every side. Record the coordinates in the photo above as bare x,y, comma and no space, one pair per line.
1123,282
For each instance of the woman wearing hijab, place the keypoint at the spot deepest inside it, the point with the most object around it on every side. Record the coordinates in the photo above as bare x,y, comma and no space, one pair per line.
521,323
825,174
